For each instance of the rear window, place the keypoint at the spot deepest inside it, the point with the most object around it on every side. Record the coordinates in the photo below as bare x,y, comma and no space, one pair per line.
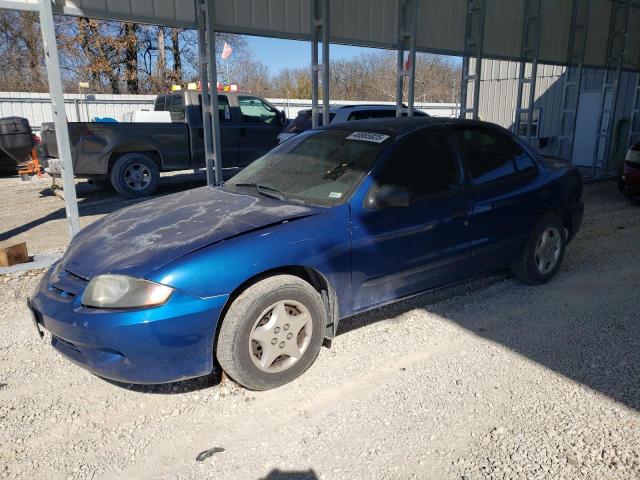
303,122
159,104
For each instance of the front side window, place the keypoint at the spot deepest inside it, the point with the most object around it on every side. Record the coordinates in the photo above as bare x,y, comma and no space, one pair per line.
423,164
303,122
488,155
254,110
318,167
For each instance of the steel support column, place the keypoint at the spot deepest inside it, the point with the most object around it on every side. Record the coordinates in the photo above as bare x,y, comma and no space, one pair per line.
320,26
573,77
209,88
407,25
616,44
59,116
530,46
473,45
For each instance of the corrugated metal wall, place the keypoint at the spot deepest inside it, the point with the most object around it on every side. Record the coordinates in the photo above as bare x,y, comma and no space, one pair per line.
37,107
498,93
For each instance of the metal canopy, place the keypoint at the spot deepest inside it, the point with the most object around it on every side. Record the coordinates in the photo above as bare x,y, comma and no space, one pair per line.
441,24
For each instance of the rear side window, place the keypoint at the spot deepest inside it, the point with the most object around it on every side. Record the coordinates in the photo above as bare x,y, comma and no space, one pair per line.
176,107
303,122
365,114
159,104
488,155
423,164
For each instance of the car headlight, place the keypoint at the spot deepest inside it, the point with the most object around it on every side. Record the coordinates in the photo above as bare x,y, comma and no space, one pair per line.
120,291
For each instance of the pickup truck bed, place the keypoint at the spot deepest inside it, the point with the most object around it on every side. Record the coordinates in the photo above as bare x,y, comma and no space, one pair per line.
130,156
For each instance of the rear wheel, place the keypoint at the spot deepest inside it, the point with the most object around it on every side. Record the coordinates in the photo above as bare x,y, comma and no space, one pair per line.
543,253
135,175
272,332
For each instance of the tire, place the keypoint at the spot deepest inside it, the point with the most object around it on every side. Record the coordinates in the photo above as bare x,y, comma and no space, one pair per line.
540,262
249,331
135,175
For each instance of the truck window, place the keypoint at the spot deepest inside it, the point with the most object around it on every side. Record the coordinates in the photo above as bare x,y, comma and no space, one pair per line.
254,110
176,107
159,104
224,110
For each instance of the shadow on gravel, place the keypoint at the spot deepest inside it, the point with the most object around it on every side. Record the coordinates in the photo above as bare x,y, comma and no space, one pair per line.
173,388
94,201
291,475
590,335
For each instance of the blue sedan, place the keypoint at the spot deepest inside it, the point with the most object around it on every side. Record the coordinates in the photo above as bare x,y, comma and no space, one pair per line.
257,274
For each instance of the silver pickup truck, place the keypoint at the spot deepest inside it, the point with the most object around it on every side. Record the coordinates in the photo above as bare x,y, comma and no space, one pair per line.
130,156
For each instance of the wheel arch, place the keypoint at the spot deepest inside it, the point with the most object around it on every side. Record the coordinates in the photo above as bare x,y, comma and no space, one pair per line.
310,275
136,147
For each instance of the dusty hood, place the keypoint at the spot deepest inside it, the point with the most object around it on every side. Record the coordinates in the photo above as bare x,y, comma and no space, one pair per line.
143,237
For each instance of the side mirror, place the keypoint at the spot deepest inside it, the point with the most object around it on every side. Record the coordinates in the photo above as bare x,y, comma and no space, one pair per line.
390,196
283,118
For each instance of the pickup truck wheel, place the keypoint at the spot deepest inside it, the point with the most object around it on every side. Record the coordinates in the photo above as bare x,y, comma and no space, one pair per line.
135,175
271,333
543,253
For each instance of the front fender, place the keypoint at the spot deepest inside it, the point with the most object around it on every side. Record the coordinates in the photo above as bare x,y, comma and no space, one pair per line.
321,242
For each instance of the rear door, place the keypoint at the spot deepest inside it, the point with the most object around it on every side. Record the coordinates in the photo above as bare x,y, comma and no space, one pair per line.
259,129
399,251
507,193
229,134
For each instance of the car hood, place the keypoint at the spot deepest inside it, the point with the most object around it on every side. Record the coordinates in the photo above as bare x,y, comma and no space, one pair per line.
141,238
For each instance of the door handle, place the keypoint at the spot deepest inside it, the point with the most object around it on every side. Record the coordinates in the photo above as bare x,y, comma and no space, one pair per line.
243,132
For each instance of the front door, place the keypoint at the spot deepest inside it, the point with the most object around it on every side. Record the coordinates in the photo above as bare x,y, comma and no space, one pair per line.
259,128
399,251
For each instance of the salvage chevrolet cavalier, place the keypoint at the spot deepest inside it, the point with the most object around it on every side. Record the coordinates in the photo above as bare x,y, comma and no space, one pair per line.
336,221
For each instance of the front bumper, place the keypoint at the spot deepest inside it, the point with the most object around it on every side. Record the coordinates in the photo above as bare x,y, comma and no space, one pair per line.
154,345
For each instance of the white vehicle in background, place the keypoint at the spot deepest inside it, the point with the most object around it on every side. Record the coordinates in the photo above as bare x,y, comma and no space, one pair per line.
345,113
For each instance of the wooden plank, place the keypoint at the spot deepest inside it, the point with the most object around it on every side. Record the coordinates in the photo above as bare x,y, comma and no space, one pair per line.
13,255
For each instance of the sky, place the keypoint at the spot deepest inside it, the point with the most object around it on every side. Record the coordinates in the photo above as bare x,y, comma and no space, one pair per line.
279,54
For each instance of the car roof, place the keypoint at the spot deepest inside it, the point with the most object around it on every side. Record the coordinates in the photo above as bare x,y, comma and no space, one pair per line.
368,106
400,125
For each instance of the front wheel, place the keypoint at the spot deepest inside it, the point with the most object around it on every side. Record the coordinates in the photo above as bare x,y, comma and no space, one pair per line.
271,333
135,175
543,253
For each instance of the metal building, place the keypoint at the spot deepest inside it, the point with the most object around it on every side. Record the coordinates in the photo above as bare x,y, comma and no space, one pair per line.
498,99
581,34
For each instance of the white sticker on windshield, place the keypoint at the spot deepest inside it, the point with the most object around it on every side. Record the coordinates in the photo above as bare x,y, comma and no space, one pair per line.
335,195
368,137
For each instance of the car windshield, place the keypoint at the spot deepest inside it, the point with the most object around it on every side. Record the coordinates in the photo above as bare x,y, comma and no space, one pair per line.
317,167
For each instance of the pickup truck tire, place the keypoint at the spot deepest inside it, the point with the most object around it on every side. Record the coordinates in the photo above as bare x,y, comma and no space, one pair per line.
135,175
272,332
543,253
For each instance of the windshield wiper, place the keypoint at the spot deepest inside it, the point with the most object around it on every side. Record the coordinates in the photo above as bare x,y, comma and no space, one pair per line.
261,190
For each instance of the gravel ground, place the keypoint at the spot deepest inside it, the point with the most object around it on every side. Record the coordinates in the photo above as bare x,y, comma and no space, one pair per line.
490,379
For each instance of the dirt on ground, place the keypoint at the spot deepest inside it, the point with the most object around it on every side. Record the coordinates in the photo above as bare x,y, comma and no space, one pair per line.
488,379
